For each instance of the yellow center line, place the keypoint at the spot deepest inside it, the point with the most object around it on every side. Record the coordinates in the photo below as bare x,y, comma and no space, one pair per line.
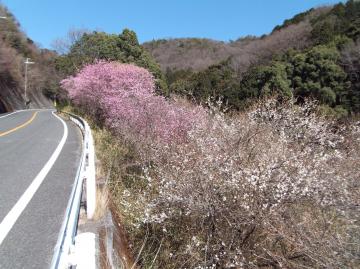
20,126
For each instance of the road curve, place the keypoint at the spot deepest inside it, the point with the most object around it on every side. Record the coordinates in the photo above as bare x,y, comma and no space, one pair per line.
39,157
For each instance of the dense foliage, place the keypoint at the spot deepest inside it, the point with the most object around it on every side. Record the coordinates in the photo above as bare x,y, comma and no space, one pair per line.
324,69
315,73
123,48
217,82
343,19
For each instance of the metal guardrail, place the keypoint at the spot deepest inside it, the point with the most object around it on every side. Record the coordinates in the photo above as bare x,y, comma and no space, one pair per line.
64,253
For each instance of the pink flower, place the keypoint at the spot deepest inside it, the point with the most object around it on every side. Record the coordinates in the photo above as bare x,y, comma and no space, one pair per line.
123,96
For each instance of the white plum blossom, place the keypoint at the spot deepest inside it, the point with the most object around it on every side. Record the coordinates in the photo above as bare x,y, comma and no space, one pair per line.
274,187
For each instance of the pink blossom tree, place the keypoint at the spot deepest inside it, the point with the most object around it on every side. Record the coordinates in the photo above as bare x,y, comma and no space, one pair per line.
123,97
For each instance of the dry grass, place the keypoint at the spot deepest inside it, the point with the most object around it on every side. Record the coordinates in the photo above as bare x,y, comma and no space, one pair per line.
112,155
102,202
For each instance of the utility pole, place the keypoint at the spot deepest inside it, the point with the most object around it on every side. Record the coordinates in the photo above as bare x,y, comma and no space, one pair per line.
27,62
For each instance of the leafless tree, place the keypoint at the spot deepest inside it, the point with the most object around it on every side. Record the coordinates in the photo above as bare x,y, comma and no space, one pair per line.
350,60
63,45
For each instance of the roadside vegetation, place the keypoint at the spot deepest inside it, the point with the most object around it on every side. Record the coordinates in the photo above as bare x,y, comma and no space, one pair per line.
274,186
251,162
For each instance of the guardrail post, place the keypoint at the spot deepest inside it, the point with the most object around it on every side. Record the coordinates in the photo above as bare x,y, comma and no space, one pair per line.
90,180
85,251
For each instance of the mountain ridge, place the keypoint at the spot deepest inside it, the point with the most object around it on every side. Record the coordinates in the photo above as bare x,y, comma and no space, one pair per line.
199,53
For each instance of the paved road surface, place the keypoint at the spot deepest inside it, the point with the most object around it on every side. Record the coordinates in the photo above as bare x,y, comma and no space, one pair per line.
39,156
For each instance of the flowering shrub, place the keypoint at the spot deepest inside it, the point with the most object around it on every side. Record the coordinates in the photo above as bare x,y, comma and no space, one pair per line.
275,187
123,97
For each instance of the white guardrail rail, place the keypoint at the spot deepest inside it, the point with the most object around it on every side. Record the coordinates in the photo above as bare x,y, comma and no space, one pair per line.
69,250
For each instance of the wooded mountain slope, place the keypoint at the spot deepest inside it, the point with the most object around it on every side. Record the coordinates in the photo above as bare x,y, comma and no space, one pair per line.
314,55
198,54
15,47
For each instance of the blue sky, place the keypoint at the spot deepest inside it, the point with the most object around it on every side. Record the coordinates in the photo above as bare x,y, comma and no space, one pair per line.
46,20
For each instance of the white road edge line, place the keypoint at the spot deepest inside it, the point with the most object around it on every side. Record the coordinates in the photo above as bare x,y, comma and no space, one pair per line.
11,218
8,114
24,110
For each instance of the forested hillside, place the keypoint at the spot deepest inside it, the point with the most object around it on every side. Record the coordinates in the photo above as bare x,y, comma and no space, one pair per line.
313,55
198,54
15,47
229,155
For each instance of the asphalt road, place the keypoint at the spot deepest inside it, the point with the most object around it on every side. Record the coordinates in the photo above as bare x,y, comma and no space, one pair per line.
39,156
